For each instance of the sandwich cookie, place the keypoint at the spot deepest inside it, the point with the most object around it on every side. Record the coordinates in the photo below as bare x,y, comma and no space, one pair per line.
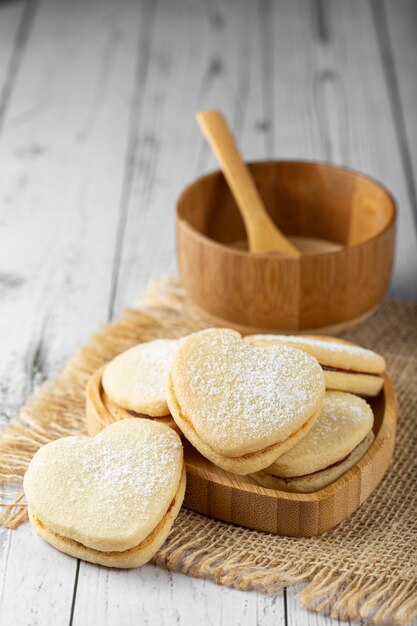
134,382
346,367
338,440
109,499
240,406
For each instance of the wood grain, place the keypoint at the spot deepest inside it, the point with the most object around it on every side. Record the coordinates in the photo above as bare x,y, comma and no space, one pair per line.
337,107
126,597
239,500
14,33
268,292
60,190
53,213
215,64
297,79
396,27
44,576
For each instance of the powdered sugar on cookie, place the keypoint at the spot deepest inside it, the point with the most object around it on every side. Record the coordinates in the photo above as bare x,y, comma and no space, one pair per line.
333,346
331,353
136,378
109,484
344,421
237,393
338,412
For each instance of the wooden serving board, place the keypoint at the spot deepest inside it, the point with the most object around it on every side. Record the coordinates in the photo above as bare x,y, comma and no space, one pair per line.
239,500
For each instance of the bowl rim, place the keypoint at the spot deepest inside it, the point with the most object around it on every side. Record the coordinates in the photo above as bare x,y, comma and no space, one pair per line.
351,172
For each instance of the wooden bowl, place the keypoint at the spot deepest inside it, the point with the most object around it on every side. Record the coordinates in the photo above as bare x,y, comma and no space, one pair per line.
239,500
344,220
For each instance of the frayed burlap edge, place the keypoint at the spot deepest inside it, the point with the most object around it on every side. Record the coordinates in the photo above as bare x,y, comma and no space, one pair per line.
330,591
57,409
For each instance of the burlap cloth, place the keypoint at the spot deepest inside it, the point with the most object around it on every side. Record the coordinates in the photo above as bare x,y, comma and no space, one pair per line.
363,569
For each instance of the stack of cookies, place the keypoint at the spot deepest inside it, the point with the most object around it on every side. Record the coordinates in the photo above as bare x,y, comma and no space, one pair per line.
287,411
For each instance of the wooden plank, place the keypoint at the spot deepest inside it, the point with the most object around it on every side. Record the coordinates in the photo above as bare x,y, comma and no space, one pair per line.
201,56
62,161
15,24
396,24
37,581
297,616
10,20
152,595
62,155
13,20
330,101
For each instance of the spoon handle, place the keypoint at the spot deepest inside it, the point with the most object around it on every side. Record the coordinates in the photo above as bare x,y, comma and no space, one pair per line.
263,234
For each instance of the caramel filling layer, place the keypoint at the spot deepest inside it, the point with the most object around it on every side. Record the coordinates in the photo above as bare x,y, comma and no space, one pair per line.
327,368
151,535
110,405
150,417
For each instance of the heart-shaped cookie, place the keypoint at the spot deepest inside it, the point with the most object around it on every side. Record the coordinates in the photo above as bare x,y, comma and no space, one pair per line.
134,381
111,499
346,367
340,437
241,406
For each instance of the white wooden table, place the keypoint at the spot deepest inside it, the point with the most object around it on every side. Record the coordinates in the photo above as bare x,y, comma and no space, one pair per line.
97,136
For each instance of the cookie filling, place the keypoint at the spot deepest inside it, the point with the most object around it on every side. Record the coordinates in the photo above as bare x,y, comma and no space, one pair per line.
327,368
149,417
149,537
112,406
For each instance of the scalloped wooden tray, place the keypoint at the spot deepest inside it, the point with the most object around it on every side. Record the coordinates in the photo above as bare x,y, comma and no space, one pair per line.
239,500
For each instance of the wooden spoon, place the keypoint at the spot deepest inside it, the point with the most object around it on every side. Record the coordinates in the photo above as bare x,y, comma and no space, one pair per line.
263,235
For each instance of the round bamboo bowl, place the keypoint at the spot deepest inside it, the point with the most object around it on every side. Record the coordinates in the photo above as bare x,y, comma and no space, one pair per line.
348,220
